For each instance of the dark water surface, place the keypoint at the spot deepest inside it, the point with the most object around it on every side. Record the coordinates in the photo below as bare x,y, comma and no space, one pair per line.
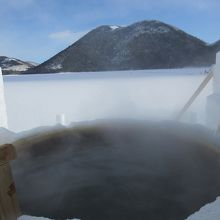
118,171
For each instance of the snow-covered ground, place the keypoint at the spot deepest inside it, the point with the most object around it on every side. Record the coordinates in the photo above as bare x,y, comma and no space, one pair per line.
208,212
26,217
35,100
19,68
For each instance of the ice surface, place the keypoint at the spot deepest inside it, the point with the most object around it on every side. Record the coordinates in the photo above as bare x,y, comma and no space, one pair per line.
208,212
35,100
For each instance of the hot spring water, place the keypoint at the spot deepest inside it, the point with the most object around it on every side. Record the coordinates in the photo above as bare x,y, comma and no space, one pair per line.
117,170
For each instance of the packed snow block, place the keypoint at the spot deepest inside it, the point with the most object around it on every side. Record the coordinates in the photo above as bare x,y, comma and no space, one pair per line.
121,170
61,119
3,115
213,111
213,101
216,80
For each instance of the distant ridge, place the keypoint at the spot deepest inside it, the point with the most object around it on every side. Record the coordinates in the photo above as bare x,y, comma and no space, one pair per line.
14,66
142,45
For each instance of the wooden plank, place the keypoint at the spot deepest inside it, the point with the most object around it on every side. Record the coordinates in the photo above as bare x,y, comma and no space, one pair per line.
7,152
9,206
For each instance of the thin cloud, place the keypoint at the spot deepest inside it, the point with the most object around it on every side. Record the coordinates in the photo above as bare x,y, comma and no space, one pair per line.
67,36
63,35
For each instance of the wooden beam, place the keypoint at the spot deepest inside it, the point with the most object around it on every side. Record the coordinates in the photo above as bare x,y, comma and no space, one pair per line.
9,206
7,153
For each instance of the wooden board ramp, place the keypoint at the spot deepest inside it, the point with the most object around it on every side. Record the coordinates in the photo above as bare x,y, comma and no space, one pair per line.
9,206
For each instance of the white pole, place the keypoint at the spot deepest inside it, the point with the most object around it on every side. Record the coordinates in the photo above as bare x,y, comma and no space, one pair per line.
3,113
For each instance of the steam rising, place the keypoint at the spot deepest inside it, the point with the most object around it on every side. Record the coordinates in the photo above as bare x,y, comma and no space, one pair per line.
117,170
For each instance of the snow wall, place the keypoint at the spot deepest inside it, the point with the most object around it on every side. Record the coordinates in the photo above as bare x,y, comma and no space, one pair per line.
3,114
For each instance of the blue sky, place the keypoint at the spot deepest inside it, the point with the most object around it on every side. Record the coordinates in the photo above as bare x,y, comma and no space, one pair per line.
35,30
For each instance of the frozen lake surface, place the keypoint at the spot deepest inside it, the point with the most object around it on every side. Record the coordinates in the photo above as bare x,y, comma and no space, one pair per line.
35,100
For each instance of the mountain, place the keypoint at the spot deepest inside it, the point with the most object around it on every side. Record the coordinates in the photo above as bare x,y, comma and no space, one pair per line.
142,45
14,66
216,45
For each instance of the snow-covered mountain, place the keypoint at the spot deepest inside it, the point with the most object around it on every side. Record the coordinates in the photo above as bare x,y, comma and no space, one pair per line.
14,66
142,45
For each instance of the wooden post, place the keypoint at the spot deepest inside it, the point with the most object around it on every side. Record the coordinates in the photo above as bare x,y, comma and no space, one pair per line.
9,207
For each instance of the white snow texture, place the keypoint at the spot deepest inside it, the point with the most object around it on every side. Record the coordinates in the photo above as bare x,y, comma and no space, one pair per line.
3,115
26,217
208,212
